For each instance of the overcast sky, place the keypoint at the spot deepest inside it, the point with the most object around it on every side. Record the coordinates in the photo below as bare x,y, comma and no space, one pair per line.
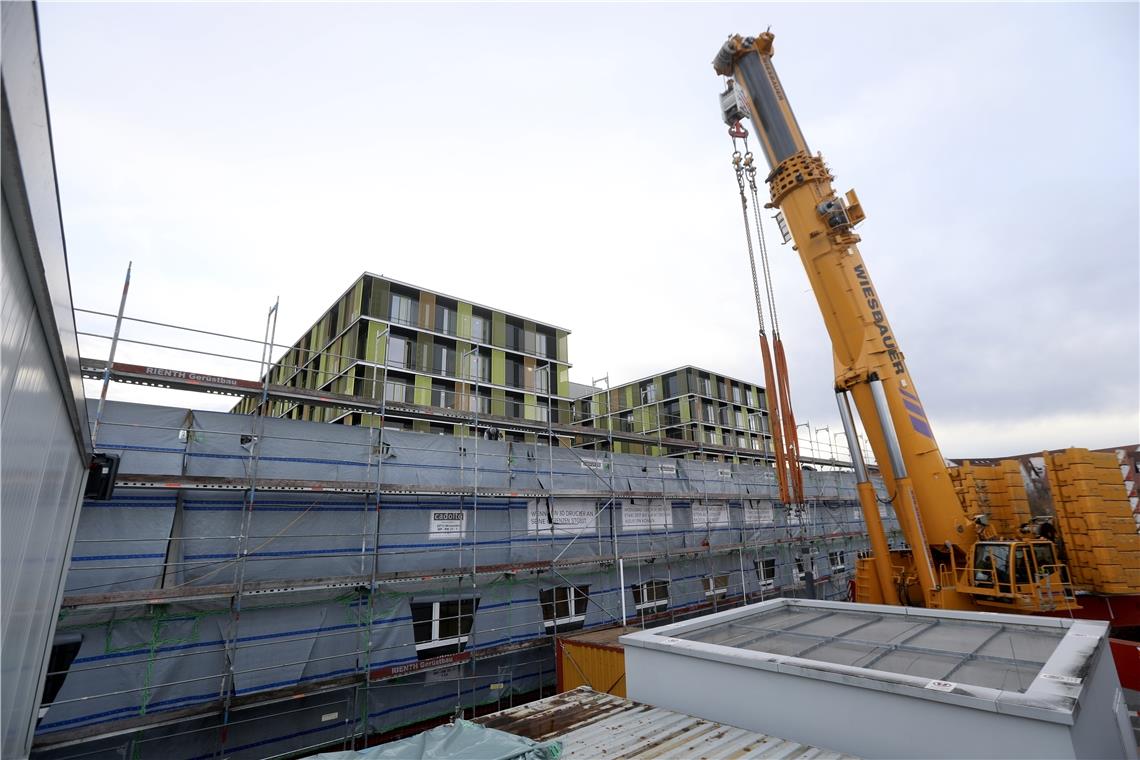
568,163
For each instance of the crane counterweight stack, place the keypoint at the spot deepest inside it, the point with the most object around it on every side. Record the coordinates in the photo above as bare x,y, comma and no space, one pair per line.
940,568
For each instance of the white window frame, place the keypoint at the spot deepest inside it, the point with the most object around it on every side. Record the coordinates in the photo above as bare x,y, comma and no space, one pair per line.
799,565
651,605
841,566
767,583
576,615
436,641
714,588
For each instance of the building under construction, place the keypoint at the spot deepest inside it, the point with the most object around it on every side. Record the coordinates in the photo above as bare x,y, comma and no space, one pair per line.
257,586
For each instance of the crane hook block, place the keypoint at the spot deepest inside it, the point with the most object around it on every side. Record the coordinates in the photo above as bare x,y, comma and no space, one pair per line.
737,130
733,109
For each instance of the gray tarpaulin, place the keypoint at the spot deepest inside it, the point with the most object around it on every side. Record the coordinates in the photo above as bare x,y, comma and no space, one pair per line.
672,520
462,740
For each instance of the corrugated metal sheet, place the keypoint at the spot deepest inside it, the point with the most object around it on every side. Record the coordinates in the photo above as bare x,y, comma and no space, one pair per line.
582,663
592,725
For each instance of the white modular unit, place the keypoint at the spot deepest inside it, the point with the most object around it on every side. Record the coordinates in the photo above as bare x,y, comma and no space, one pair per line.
43,424
880,681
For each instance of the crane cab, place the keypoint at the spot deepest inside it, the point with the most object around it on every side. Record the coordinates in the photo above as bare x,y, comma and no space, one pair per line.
1013,575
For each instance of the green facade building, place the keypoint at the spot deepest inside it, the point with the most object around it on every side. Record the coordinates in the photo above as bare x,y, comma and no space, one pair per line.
416,346
727,415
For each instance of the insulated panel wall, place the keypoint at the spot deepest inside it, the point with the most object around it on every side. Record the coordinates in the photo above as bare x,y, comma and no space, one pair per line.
43,427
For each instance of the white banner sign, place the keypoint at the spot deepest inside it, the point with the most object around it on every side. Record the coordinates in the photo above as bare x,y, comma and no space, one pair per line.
447,523
562,518
758,513
646,516
709,515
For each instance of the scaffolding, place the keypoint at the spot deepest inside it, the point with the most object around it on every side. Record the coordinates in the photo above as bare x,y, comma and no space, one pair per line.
259,587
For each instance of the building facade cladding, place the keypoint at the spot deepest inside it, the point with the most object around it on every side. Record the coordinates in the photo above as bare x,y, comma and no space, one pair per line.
43,421
387,339
316,657
688,403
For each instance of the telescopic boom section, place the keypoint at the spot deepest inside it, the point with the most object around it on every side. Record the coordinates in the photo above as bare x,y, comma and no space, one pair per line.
868,362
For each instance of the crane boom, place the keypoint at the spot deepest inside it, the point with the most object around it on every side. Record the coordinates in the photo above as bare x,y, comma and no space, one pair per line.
870,368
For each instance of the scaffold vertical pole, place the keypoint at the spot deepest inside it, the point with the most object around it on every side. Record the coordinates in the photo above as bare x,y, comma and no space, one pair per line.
111,358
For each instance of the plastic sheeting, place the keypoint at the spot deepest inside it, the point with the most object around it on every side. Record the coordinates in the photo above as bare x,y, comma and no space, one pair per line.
136,662
461,740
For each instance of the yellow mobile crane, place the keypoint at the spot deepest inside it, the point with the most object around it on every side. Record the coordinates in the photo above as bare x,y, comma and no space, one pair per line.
953,560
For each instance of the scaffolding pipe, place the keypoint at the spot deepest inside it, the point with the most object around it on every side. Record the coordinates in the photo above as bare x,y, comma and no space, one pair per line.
111,358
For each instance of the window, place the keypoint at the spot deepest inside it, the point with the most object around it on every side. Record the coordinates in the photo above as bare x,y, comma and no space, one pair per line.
477,402
442,394
514,336
736,394
396,390
706,386
442,627
480,366
755,443
711,436
564,608
721,392
63,653
444,319
991,564
709,412
514,372
716,585
751,397
514,405
542,411
741,441
402,310
443,359
399,351
753,423
766,573
651,596
739,420
626,422
542,379
479,329
803,564
648,393
835,559
541,341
